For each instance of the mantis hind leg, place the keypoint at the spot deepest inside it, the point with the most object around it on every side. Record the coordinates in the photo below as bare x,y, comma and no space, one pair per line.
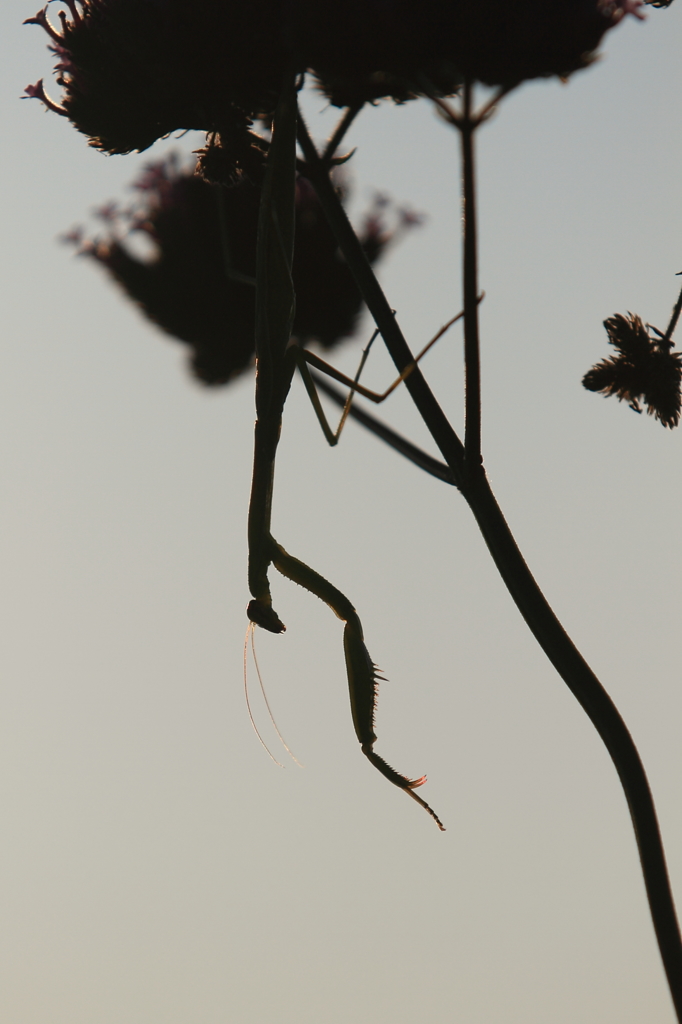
363,686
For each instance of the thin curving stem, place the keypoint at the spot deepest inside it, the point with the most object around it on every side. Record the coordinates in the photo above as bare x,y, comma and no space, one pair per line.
337,135
677,309
523,588
472,362
602,712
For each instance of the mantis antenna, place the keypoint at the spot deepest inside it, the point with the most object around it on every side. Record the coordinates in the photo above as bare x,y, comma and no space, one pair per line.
250,630
265,697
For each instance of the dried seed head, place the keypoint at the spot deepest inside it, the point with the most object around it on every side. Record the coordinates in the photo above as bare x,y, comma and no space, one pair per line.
644,370
195,288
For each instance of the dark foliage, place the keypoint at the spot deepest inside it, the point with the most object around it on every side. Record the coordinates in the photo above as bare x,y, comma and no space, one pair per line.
134,70
399,48
644,370
199,285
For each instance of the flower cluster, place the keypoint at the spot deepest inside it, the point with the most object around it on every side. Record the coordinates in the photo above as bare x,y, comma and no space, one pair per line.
199,284
645,369
366,49
134,70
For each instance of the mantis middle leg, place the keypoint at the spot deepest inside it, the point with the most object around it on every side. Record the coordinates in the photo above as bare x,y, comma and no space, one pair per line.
305,358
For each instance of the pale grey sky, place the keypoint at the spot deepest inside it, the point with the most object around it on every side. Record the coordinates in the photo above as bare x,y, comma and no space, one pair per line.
156,867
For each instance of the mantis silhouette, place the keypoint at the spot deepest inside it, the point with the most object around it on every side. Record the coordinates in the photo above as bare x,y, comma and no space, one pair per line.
276,361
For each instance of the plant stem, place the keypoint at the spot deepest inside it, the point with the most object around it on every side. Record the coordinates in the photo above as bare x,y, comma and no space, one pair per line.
539,616
677,309
337,135
602,712
472,363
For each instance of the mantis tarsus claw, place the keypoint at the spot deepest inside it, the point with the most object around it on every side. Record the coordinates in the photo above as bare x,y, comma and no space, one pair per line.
429,810
401,781
417,782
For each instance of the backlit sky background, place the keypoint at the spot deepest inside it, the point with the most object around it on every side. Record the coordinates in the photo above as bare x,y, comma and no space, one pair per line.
155,866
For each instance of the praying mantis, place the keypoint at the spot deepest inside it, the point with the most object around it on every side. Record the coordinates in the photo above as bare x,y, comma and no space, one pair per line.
277,358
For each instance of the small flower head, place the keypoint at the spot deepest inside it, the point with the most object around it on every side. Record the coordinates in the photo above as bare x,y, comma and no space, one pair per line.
644,370
232,156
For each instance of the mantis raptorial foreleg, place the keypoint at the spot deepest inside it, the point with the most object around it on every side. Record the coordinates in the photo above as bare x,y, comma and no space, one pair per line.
362,673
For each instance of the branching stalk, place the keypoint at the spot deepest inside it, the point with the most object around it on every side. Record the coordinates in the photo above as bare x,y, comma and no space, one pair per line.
339,132
439,426
467,471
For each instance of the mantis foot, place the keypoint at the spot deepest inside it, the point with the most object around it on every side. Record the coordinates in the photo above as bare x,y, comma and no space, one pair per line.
401,781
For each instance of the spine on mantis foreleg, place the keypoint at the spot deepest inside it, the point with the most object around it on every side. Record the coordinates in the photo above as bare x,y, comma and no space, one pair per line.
363,677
